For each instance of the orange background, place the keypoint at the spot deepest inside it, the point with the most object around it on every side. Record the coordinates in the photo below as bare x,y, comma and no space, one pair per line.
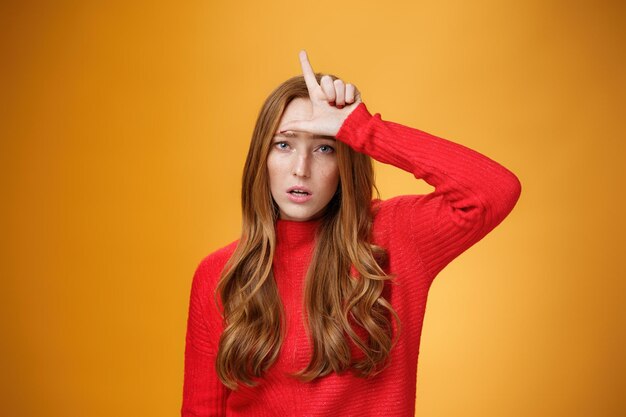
124,127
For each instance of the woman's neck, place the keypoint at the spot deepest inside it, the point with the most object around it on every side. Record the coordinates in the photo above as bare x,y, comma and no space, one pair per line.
292,232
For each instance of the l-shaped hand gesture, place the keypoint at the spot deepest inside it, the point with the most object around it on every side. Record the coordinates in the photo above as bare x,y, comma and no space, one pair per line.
332,102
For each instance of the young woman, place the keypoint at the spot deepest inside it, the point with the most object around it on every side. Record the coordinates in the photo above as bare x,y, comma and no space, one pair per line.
317,309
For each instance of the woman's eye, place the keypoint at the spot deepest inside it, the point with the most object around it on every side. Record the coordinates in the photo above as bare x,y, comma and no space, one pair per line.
326,149
281,145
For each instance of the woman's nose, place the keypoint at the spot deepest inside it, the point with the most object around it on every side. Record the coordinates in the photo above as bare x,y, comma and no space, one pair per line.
301,166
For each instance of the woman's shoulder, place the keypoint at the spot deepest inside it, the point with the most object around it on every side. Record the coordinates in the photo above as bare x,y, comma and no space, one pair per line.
388,209
394,218
211,266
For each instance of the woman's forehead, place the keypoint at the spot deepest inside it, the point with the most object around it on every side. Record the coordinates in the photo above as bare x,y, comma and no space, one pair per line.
298,109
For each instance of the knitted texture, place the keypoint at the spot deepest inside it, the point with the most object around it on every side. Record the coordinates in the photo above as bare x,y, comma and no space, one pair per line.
421,233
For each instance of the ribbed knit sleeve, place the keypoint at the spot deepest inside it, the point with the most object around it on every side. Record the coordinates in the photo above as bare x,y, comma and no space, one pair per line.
204,394
472,195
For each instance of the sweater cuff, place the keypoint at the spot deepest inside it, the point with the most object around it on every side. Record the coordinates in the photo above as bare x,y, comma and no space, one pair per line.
356,120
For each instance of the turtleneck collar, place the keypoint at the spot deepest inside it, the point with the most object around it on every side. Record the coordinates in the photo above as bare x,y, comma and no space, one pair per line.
291,232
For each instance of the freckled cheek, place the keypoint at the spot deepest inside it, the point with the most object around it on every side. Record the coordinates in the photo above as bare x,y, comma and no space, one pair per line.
274,175
330,176
279,164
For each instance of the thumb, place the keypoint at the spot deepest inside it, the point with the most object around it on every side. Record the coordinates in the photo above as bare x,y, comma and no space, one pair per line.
298,125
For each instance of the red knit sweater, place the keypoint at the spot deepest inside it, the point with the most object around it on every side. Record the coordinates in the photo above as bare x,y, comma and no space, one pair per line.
421,233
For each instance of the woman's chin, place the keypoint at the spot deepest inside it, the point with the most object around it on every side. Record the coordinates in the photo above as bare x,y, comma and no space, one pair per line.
299,216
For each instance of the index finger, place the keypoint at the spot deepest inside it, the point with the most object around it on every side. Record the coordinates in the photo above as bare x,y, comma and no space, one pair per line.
307,71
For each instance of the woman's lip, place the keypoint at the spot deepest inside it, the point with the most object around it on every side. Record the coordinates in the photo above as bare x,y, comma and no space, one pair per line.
299,188
299,198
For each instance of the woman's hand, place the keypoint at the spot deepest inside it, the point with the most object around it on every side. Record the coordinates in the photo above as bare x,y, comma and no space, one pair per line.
332,102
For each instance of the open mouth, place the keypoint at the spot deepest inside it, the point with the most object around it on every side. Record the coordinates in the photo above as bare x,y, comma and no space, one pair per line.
299,194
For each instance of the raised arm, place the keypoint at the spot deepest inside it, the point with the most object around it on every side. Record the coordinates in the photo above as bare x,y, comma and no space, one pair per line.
473,193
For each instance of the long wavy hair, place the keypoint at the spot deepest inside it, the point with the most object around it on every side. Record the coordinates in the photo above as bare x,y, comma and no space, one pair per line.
342,309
